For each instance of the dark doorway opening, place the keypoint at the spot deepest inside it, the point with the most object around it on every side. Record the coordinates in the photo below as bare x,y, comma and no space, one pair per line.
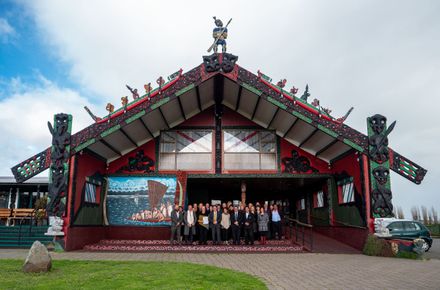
258,189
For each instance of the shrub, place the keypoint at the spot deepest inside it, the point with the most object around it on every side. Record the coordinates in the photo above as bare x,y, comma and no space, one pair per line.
375,246
407,255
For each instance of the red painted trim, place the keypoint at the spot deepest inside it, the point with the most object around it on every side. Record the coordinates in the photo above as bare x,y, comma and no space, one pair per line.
141,100
188,171
366,171
250,171
70,192
296,101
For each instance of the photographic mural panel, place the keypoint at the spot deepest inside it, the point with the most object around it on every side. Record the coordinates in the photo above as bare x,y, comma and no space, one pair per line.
140,200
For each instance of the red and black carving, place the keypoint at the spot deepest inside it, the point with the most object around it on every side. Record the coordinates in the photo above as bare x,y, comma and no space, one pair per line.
378,141
59,164
215,62
228,62
32,166
406,167
139,163
297,164
212,63
381,195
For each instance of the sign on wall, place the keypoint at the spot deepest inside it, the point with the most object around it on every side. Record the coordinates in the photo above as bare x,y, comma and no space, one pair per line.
140,201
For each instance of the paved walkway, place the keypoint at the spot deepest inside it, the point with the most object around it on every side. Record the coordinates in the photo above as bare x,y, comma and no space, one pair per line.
293,271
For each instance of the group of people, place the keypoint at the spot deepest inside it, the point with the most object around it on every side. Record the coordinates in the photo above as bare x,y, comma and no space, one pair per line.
226,223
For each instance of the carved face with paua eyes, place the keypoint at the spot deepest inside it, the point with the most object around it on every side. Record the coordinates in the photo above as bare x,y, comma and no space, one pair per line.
378,123
381,174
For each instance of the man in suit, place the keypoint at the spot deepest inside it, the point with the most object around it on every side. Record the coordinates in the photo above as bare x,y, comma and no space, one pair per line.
248,224
215,217
189,220
176,223
235,225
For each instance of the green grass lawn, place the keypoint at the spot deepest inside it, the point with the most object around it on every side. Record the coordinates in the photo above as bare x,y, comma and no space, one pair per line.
125,275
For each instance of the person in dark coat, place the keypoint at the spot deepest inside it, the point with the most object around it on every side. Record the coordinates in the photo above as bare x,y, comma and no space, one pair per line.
236,222
248,225
176,223
215,218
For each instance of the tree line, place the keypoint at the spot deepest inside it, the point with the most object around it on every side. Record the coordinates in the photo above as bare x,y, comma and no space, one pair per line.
422,213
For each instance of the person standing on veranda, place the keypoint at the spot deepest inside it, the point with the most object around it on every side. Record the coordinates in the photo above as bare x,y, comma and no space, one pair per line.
176,223
276,223
263,225
236,221
215,218
225,224
249,221
203,224
190,225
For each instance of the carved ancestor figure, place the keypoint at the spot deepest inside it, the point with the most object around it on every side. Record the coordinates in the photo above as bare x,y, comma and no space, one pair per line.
110,108
297,163
219,34
134,92
294,90
306,94
59,163
379,139
124,101
381,195
282,83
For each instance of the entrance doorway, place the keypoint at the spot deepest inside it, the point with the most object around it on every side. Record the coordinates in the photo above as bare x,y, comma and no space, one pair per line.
258,189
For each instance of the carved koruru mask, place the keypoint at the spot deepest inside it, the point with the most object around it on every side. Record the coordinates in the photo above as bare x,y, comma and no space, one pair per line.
378,123
381,174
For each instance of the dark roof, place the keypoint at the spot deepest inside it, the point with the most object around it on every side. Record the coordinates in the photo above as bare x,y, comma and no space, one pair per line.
33,180
188,94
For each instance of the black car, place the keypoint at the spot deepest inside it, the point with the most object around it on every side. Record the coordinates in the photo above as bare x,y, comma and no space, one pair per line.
410,230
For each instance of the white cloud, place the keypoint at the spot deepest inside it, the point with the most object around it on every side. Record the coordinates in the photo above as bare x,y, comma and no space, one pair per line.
380,57
6,30
24,117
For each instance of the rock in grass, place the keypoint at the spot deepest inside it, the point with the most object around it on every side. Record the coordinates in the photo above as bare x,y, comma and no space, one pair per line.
38,259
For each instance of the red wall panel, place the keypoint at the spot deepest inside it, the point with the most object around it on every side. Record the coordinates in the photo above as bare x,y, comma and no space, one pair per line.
149,150
203,119
350,165
232,118
87,165
286,152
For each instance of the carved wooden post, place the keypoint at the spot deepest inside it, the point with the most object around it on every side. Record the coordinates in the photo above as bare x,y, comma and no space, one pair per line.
59,164
381,204
243,193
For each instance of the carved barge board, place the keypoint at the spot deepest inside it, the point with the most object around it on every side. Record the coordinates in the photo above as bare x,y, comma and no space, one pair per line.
192,79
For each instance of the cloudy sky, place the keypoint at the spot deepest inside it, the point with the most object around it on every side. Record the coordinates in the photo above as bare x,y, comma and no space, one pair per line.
378,56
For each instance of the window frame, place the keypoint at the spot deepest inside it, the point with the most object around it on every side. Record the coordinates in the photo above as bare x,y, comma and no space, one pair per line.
98,187
301,204
341,184
260,152
175,154
316,199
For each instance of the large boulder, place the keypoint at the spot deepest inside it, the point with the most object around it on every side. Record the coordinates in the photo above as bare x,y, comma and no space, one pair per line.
38,259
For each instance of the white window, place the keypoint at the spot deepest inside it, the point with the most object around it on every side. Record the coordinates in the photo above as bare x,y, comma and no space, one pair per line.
249,150
301,204
346,191
91,193
186,150
319,199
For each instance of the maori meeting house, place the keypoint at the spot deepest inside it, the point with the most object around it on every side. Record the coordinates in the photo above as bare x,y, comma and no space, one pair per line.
216,133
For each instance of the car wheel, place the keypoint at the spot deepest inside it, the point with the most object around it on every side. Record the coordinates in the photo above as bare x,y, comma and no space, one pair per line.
425,246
